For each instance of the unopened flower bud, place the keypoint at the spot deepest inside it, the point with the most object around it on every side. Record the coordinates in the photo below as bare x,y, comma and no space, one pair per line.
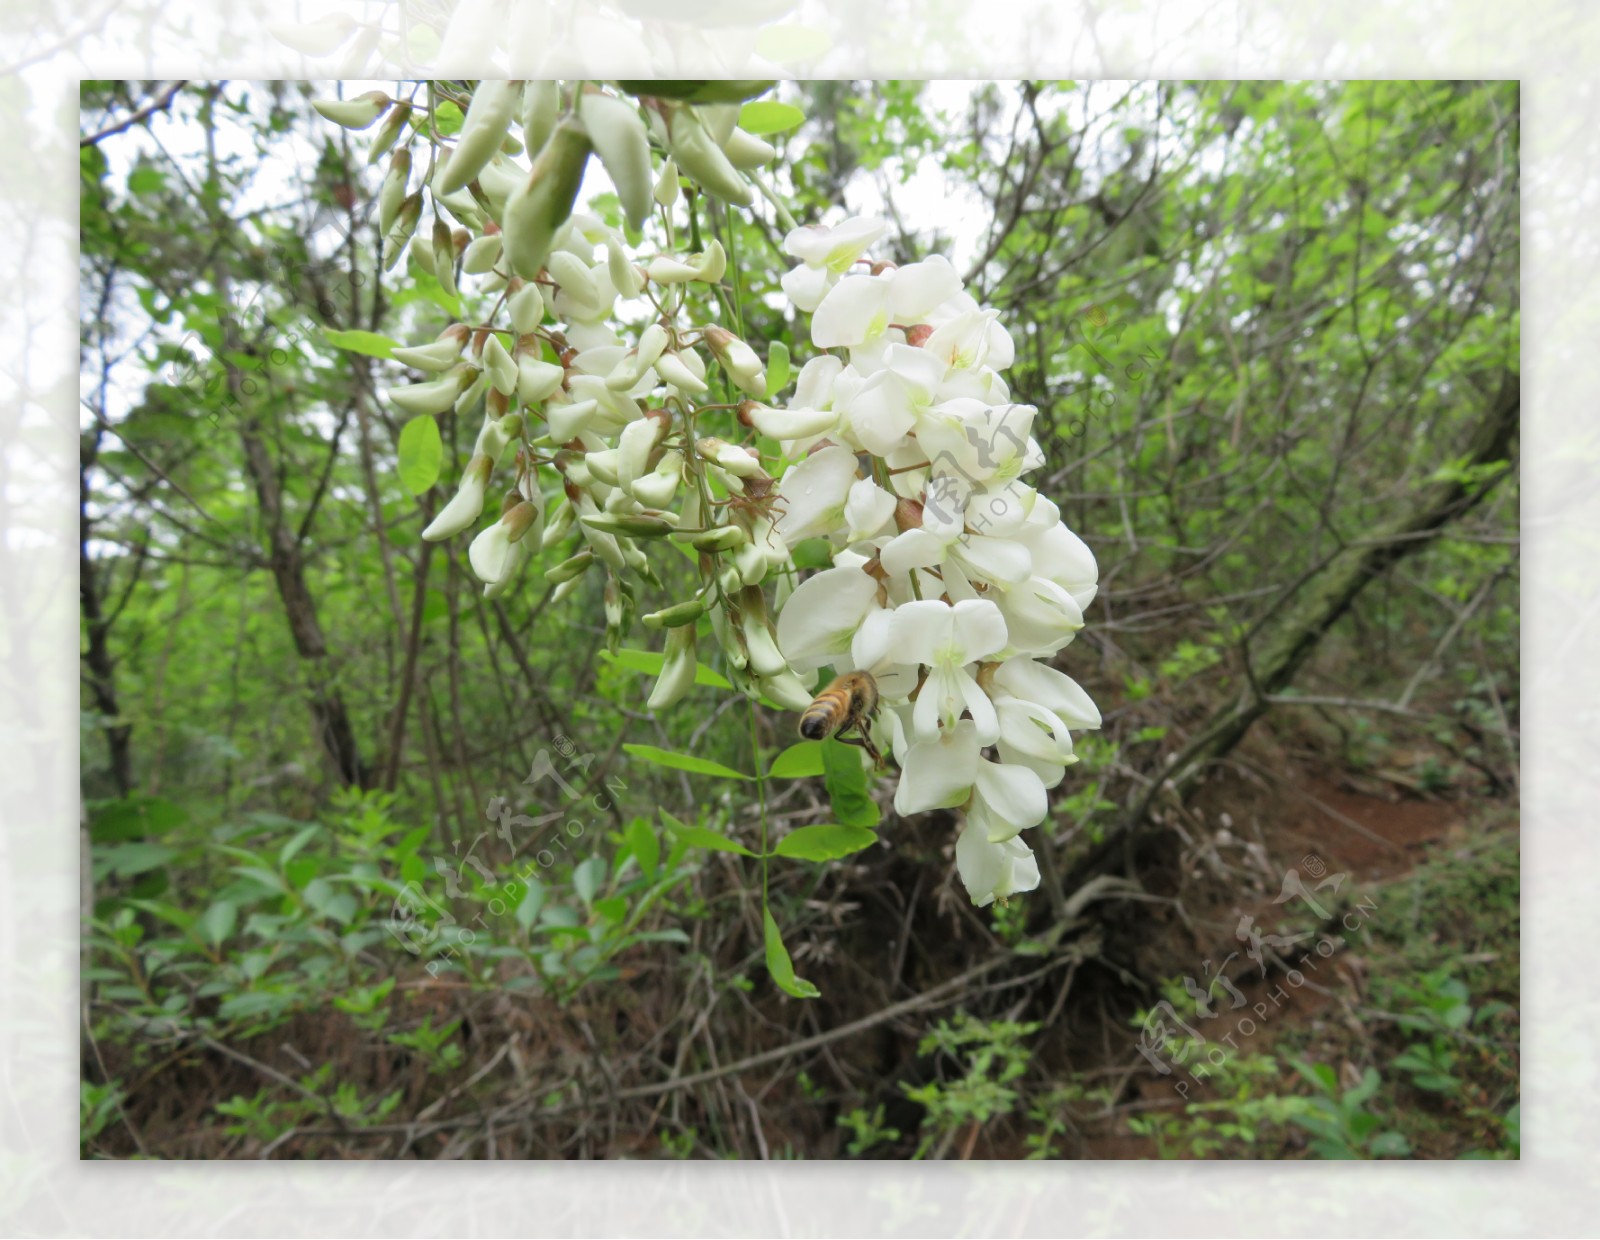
355,113
393,190
572,566
724,538
389,132
440,354
739,462
636,525
502,370
467,503
677,614
787,423
481,255
435,396
673,370
526,308
677,670
907,515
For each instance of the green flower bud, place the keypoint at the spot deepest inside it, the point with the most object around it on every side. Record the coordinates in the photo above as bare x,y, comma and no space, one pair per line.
488,117
389,133
571,567
481,255
526,308
636,525
623,145
677,614
393,190
355,113
698,154
544,201
541,107
724,538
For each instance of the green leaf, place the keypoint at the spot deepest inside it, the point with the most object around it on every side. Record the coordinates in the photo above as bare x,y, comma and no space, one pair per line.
1391,1145
645,847
799,761
682,762
703,837
825,842
421,454
145,180
129,860
764,116
133,818
780,966
778,369
532,901
301,839
587,877
648,663
370,344
847,785
218,921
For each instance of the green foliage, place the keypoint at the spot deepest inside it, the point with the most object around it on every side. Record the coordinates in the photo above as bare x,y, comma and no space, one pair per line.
867,1131
989,1057
1338,1121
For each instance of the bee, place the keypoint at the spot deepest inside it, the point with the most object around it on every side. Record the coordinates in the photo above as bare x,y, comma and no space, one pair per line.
846,705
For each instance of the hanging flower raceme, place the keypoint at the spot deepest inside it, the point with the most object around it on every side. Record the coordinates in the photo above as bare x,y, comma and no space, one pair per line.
953,580
619,419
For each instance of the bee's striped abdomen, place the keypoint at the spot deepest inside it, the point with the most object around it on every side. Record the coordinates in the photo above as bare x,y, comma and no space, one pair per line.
823,717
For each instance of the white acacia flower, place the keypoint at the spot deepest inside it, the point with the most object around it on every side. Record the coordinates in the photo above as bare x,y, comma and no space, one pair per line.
938,773
887,406
868,511
465,505
945,639
990,870
820,620
812,495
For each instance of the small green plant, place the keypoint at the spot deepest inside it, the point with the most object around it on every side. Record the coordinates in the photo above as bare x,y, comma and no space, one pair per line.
97,1107
869,1130
436,1048
990,1055
1243,1118
1338,1121
1056,1113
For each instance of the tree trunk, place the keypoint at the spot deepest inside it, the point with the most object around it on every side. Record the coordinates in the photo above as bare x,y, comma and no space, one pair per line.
97,656
328,713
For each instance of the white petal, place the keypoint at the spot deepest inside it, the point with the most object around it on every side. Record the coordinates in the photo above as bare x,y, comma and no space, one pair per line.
854,311
822,615
867,511
993,559
912,549
982,865
922,630
872,644
807,286
491,554
812,494
1015,798
938,774
813,388
979,628
920,287
1057,692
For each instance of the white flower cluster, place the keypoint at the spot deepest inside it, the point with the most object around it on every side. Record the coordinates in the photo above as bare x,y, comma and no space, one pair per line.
953,582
